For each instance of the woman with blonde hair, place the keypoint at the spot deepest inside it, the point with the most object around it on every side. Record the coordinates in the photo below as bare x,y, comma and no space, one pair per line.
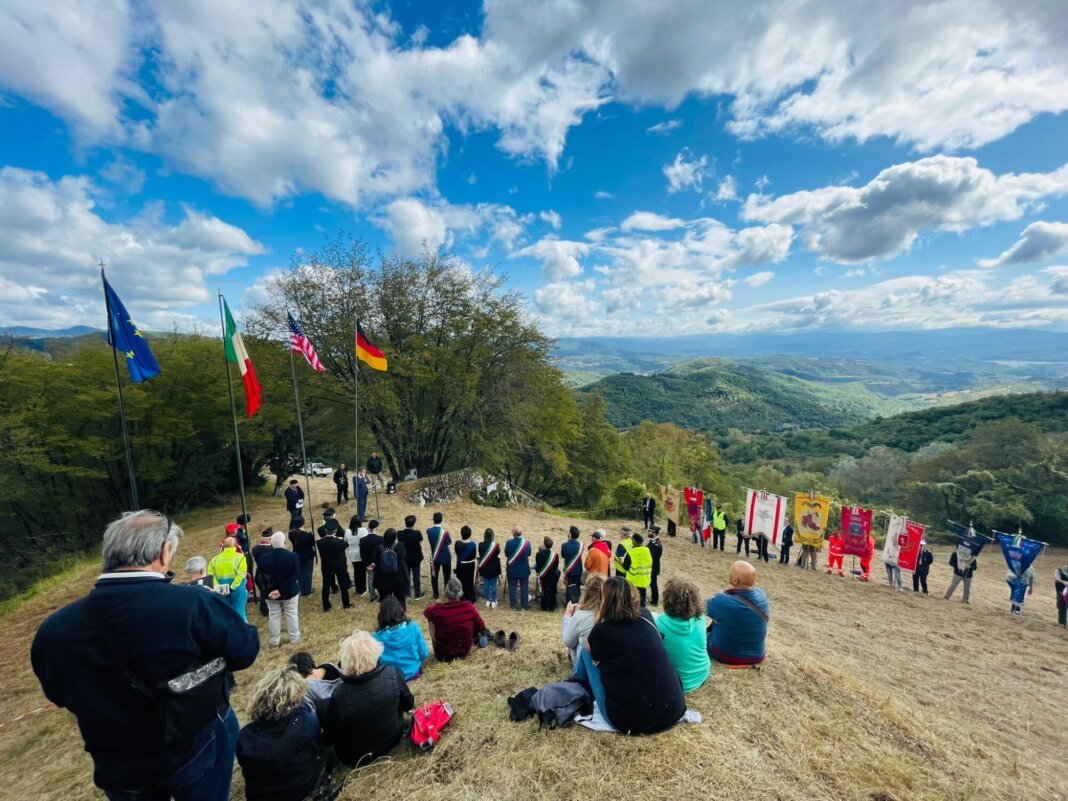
365,719
683,625
278,750
634,684
579,618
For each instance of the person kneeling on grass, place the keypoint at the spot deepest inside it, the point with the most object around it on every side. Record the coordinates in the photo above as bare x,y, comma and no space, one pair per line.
624,663
405,646
683,628
365,719
454,624
278,750
739,619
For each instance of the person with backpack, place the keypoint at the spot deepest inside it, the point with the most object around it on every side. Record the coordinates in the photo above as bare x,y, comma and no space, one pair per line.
228,569
571,557
332,551
303,543
489,567
547,566
517,557
369,547
404,643
466,559
412,540
388,568
439,540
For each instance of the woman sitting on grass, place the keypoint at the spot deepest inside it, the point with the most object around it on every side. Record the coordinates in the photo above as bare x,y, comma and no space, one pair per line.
404,644
365,719
579,618
683,627
626,666
278,751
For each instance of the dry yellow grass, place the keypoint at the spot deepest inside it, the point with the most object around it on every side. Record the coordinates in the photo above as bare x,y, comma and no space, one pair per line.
867,694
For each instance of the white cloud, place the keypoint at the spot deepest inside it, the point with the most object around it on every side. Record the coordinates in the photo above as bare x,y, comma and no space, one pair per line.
683,173
667,126
53,239
412,226
552,218
1040,241
855,272
759,279
600,194
1059,285
727,190
567,299
883,218
559,257
650,221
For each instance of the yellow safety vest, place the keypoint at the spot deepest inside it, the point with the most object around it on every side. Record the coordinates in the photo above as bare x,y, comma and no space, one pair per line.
641,567
227,566
719,520
628,546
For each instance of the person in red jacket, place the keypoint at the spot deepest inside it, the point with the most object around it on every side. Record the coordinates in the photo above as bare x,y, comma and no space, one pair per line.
454,624
865,558
835,552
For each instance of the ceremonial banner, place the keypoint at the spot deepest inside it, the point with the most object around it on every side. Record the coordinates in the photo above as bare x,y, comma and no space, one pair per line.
127,339
968,538
811,513
764,514
856,526
1019,553
694,501
669,497
902,546
706,519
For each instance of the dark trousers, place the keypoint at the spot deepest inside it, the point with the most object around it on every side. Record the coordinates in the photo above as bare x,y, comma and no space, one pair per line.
549,586
784,554
742,539
465,571
654,590
719,538
918,580
335,575
647,517
342,492
361,505
518,593
671,528
762,548
573,592
359,578
1062,607
641,595
306,571
414,587
435,571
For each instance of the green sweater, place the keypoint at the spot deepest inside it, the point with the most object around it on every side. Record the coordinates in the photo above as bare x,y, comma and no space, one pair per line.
685,644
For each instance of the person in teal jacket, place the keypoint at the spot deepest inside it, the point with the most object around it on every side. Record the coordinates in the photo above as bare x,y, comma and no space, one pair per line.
403,641
682,626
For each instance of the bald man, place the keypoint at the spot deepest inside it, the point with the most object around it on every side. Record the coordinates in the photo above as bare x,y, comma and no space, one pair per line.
739,618
228,569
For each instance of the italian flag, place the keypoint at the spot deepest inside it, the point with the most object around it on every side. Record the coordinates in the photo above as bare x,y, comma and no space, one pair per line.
236,353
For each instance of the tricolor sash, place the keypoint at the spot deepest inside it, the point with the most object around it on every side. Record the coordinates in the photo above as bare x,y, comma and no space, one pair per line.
439,543
490,554
519,552
550,566
573,562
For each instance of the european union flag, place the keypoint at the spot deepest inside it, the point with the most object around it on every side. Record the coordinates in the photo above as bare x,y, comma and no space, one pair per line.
128,340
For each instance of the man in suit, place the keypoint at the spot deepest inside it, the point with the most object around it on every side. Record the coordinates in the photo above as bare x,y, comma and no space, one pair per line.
649,510
334,566
294,500
341,481
412,540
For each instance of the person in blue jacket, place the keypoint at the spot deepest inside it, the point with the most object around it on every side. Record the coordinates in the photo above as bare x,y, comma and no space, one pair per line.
571,563
739,619
405,646
517,561
439,542
136,622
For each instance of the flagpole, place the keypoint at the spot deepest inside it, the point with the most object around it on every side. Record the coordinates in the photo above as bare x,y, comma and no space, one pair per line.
303,452
233,413
356,390
122,404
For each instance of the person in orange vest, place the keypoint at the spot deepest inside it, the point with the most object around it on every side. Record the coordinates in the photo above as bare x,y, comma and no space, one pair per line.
835,552
865,558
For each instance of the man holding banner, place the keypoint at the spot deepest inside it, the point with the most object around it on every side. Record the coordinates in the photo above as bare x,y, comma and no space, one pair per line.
1019,552
963,559
901,549
811,513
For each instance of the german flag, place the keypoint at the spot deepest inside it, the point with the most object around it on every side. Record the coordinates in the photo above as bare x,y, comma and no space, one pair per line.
368,353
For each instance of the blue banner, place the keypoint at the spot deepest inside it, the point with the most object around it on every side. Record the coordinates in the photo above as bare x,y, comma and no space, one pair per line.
968,537
1019,551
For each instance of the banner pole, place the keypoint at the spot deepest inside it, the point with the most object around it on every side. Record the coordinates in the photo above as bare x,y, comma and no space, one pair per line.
122,405
303,452
356,393
233,413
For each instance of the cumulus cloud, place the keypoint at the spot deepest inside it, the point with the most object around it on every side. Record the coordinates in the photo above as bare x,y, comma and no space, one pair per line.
559,257
552,218
883,218
1040,241
53,239
727,190
412,224
686,173
650,221
758,279
667,126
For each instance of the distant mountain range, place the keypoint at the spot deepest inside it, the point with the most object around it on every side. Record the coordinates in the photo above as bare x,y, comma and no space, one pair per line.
45,333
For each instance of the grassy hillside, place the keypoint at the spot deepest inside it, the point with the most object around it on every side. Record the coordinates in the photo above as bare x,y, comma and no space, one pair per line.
714,395
861,696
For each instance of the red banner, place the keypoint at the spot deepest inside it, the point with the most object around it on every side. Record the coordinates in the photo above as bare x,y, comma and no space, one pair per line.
909,545
695,499
856,527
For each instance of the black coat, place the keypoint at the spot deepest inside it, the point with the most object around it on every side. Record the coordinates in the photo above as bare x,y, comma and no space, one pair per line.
293,494
341,478
374,465
923,562
280,758
369,547
365,719
332,552
656,550
412,540
303,545
788,536
492,569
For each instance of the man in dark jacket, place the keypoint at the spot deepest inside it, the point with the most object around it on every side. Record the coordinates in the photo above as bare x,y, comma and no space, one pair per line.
304,547
438,541
412,540
258,552
517,558
279,579
964,564
331,526
923,566
786,544
390,576
656,550
361,485
369,548
135,620
649,510
294,500
334,566
374,468
571,558
341,481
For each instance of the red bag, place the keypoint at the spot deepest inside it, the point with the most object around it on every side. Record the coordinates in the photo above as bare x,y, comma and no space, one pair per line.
427,723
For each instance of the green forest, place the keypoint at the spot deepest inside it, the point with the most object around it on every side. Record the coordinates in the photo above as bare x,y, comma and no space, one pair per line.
473,383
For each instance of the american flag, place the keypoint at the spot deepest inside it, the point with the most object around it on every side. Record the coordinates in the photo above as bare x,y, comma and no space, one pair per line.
299,343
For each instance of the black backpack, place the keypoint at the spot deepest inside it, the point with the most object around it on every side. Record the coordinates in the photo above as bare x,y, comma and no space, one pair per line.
387,563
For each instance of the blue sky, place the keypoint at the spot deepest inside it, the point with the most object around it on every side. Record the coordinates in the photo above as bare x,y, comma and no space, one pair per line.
632,168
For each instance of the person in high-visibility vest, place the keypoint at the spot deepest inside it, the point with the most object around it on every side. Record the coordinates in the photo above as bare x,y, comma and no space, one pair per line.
227,569
639,566
719,528
835,552
622,552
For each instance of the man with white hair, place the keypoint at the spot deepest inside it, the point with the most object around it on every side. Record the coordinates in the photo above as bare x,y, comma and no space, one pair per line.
196,572
115,657
278,573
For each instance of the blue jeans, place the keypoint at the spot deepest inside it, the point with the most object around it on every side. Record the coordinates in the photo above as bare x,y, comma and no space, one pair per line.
489,589
522,587
589,673
201,774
